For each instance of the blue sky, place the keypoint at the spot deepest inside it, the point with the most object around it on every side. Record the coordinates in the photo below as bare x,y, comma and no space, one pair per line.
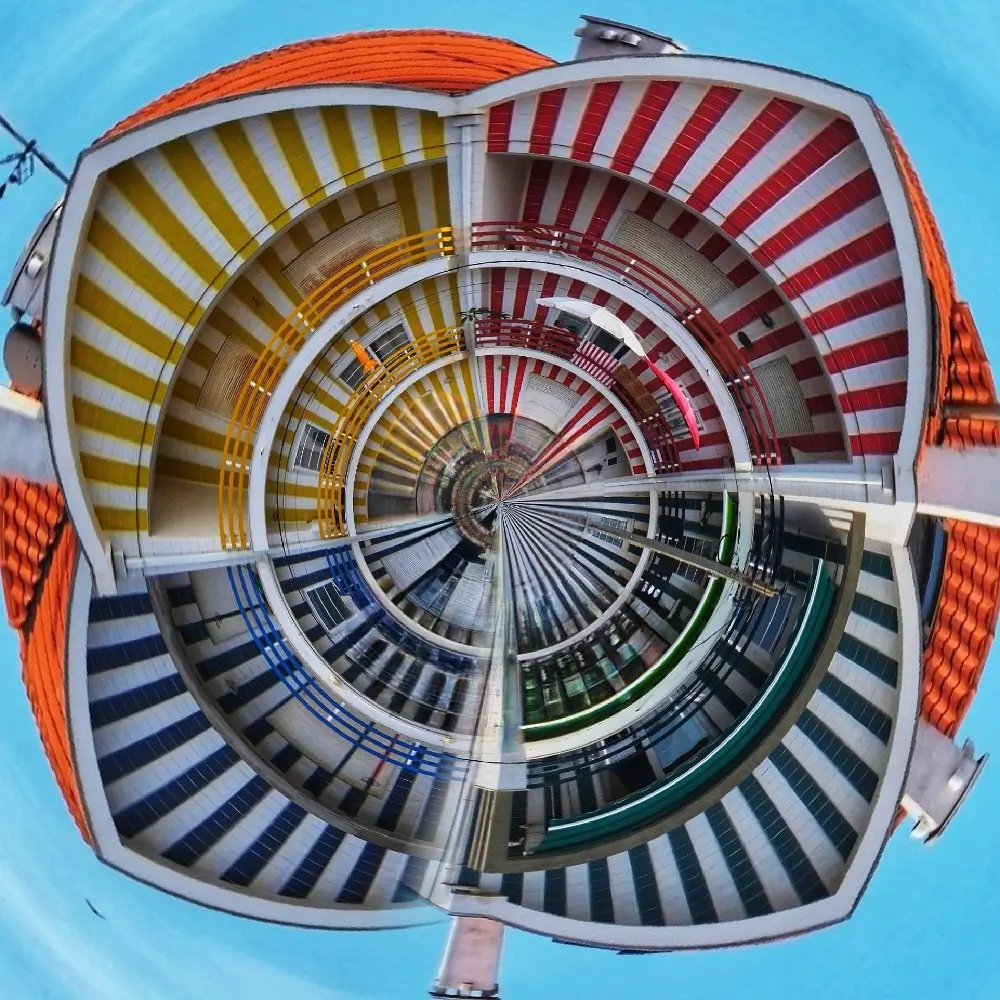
923,925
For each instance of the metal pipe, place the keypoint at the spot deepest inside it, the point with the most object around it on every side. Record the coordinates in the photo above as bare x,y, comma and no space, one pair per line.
173,563
699,562
779,482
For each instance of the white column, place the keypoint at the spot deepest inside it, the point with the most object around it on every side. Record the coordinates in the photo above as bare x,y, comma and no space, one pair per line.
471,962
963,483
24,440
466,163
499,743
466,152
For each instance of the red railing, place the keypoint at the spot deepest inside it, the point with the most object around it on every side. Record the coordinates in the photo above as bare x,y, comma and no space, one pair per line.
565,344
649,279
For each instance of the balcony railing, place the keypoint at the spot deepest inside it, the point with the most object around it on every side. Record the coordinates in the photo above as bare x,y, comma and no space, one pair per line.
651,280
339,288
566,344
335,463
359,734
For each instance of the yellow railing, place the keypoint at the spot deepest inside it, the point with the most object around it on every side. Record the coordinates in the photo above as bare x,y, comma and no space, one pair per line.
337,455
234,472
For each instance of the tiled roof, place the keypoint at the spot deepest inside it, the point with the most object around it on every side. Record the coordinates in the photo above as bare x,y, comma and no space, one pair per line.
444,61
962,375
966,615
30,516
964,624
37,551
37,558
43,660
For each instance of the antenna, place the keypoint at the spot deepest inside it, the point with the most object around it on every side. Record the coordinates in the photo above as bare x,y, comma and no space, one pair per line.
24,160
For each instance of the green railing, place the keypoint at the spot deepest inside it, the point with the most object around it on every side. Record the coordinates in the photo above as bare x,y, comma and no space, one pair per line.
675,791
681,646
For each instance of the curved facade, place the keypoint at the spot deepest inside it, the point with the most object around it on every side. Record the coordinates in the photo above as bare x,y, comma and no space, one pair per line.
499,488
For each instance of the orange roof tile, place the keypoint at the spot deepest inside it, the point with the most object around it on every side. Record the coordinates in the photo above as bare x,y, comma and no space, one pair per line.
964,624
444,61
965,619
30,515
43,660
963,372
37,559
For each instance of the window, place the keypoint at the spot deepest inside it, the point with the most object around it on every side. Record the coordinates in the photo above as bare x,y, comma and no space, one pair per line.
575,324
610,522
604,340
672,413
776,614
311,445
379,347
353,373
327,606
609,539
591,333
385,343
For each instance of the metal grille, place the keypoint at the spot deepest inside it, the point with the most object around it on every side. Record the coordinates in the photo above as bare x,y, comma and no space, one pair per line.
230,371
674,257
349,243
551,395
784,398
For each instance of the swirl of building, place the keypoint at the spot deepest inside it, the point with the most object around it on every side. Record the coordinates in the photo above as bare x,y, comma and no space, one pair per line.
441,481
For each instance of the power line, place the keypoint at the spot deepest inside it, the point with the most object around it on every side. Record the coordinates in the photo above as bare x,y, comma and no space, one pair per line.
23,161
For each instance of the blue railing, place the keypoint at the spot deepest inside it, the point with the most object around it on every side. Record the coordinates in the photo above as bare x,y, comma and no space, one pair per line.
363,735
349,581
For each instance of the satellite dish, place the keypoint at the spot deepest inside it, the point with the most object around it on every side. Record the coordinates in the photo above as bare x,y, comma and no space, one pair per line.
22,357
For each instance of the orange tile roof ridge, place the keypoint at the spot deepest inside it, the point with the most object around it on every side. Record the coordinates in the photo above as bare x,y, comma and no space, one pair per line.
423,59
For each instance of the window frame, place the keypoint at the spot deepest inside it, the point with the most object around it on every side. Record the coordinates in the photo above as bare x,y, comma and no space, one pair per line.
339,606
299,443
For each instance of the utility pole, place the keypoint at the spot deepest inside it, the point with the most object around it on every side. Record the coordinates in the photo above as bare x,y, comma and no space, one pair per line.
23,161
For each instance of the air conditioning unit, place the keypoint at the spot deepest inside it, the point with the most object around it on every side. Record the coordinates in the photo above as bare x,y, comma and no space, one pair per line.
600,38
